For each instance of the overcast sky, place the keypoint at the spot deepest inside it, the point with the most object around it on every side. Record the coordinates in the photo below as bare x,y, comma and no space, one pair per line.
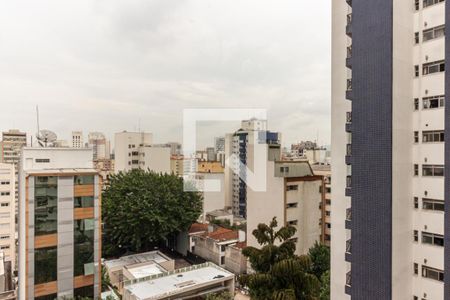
104,65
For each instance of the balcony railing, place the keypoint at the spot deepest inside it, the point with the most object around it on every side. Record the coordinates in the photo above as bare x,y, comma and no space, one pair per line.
348,246
349,149
349,51
348,215
349,117
349,182
349,84
349,19
348,28
348,280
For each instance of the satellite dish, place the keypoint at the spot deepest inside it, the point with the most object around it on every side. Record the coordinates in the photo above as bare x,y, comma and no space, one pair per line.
46,138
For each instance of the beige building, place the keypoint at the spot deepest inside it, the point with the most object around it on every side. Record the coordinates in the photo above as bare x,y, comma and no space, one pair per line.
77,139
7,213
209,167
59,224
176,165
293,195
12,143
325,172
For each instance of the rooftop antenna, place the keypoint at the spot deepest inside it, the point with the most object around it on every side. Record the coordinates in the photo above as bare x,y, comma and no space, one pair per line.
44,137
37,115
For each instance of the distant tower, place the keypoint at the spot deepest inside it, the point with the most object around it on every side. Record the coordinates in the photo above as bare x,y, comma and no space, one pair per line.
77,139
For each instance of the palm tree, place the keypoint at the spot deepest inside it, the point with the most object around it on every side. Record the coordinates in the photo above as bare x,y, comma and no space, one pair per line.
279,273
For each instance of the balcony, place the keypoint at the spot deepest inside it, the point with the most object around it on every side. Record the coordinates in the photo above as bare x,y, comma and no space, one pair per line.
348,156
348,218
348,282
348,250
348,60
349,2
348,28
348,189
349,91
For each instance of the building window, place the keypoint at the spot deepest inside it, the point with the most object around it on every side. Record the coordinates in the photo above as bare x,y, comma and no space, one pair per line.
222,260
84,180
222,248
416,269
416,103
416,170
4,204
284,169
433,170
427,3
417,4
416,71
432,273
42,160
81,202
292,205
5,182
432,239
4,237
47,297
45,265
5,193
45,205
86,292
433,67
292,188
433,102
293,223
416,136
433,136
416,236
416,38
432,204
433,33
83,247
416,202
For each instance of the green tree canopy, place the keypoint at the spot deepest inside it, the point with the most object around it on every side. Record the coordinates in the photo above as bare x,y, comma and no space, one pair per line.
320,256
141,208
279,273
220,296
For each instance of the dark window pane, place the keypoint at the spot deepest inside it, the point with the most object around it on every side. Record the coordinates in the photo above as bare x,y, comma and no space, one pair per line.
46,205
87,201
83,247
45,265
82,180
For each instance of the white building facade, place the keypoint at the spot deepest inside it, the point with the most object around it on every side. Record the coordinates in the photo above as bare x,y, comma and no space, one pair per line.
388,150
7,213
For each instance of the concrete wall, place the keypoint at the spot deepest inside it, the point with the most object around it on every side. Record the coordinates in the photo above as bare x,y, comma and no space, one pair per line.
157,159
235,262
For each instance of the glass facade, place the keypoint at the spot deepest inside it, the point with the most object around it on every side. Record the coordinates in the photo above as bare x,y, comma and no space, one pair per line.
45,265
84,180
47,297
46,205
81,202
84,292
83,247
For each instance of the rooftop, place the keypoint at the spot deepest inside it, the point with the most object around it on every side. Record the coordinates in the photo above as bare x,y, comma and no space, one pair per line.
129,260
177,282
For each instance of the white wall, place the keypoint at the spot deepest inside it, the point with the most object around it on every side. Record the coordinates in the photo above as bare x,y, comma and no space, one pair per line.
339,107
157,159
7,219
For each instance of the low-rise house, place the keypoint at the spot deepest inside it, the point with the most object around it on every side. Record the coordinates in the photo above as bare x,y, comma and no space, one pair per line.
212,242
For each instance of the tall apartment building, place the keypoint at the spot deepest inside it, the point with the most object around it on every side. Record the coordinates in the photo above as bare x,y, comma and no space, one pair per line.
134,150
7,213
240,145
325,172
293,195
12,143
59,224
100,145
77,139
389,154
